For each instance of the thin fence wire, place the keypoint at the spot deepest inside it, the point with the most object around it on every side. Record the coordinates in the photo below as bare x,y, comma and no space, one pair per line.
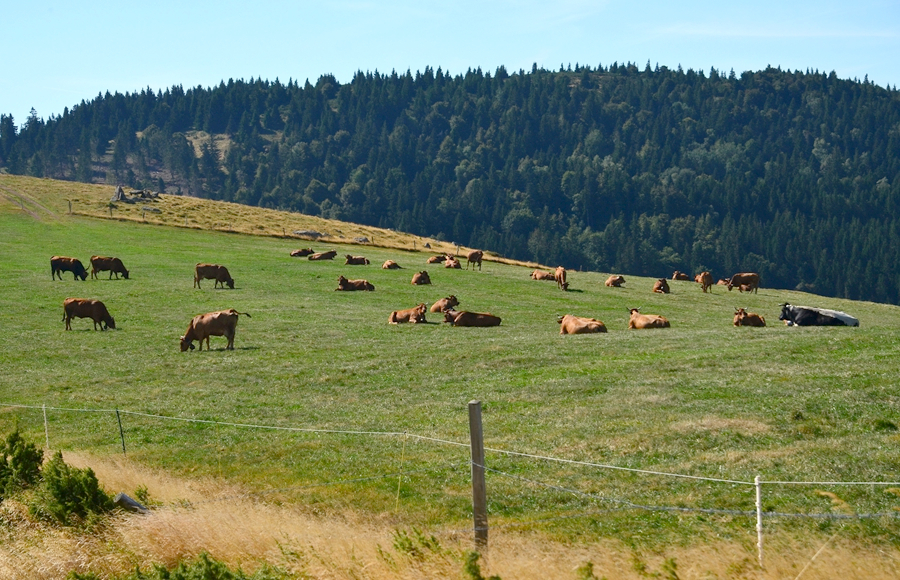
623,504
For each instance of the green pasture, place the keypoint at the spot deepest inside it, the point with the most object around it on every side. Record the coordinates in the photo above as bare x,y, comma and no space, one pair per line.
702,398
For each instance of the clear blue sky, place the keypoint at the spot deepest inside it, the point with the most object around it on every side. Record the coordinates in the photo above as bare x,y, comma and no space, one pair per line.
58,53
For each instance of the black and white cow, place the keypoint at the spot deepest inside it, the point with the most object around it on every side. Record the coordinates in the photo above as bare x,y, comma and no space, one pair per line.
809,316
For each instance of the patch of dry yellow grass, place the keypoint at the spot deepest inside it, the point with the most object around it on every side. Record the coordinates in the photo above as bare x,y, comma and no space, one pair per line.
190,212
195,516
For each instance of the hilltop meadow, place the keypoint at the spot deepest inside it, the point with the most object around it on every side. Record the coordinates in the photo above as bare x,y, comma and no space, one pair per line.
367,400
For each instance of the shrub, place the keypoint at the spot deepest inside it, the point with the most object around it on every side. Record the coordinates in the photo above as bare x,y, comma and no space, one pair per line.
70,495
205,568
20,464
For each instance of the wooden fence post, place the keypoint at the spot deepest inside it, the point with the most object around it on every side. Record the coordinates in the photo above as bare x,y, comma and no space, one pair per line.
479,490
759,521
46,427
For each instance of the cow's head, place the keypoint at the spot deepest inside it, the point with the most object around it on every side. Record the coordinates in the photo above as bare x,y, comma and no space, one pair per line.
451,301
186,344
633,311
125,274
110,322
230,283
786,312
82,274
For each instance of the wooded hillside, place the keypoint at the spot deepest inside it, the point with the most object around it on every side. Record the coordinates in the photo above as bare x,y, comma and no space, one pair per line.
794,175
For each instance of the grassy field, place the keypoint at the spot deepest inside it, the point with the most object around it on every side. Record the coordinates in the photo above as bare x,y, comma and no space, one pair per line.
702,398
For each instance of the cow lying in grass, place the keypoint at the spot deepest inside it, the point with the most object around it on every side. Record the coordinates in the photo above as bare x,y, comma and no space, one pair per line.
356,261
615,281
445,304
350,285
302,253
329,255
744,318
390,265
202,326
638,320
543,275
87,308
569,324
411,315
661,286
463,318
809,316
421,278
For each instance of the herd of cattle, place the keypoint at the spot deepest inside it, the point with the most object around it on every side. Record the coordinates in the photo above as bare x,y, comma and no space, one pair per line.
224,322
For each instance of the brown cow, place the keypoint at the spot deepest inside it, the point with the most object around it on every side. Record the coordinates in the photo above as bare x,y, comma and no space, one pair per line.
705,280
676,275
452,262
560,277
661,286
445,304
202,326
638,320
86,308
60,264
745,288
350,285
302,253
744,318
437,259
463,318
329,255
411,315
473,258
750,279
215,272
103,263
356,261
722,282
569,324
615,281
390,265
420,278
543,275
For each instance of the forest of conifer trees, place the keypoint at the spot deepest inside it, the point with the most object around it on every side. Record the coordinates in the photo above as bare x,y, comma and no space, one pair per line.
795,175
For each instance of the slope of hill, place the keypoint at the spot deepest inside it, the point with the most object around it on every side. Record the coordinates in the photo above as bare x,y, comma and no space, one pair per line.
325,409
794,175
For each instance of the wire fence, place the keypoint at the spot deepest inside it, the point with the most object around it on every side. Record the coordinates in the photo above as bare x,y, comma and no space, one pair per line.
616,504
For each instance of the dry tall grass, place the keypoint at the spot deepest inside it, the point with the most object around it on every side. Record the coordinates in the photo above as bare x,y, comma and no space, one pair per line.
191,517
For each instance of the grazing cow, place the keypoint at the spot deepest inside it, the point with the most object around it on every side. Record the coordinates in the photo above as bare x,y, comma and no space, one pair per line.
744,318
390,265
411,315
445,304
560,277
420,278
639,320
569,324
676,275
473,258
809,316
705,280
615,281
86,308
543,275
202,326
750,279
463,318
437,259
356,261
350,285
452,262
60,264
661,286
302,253
329,255
103,263
215,272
